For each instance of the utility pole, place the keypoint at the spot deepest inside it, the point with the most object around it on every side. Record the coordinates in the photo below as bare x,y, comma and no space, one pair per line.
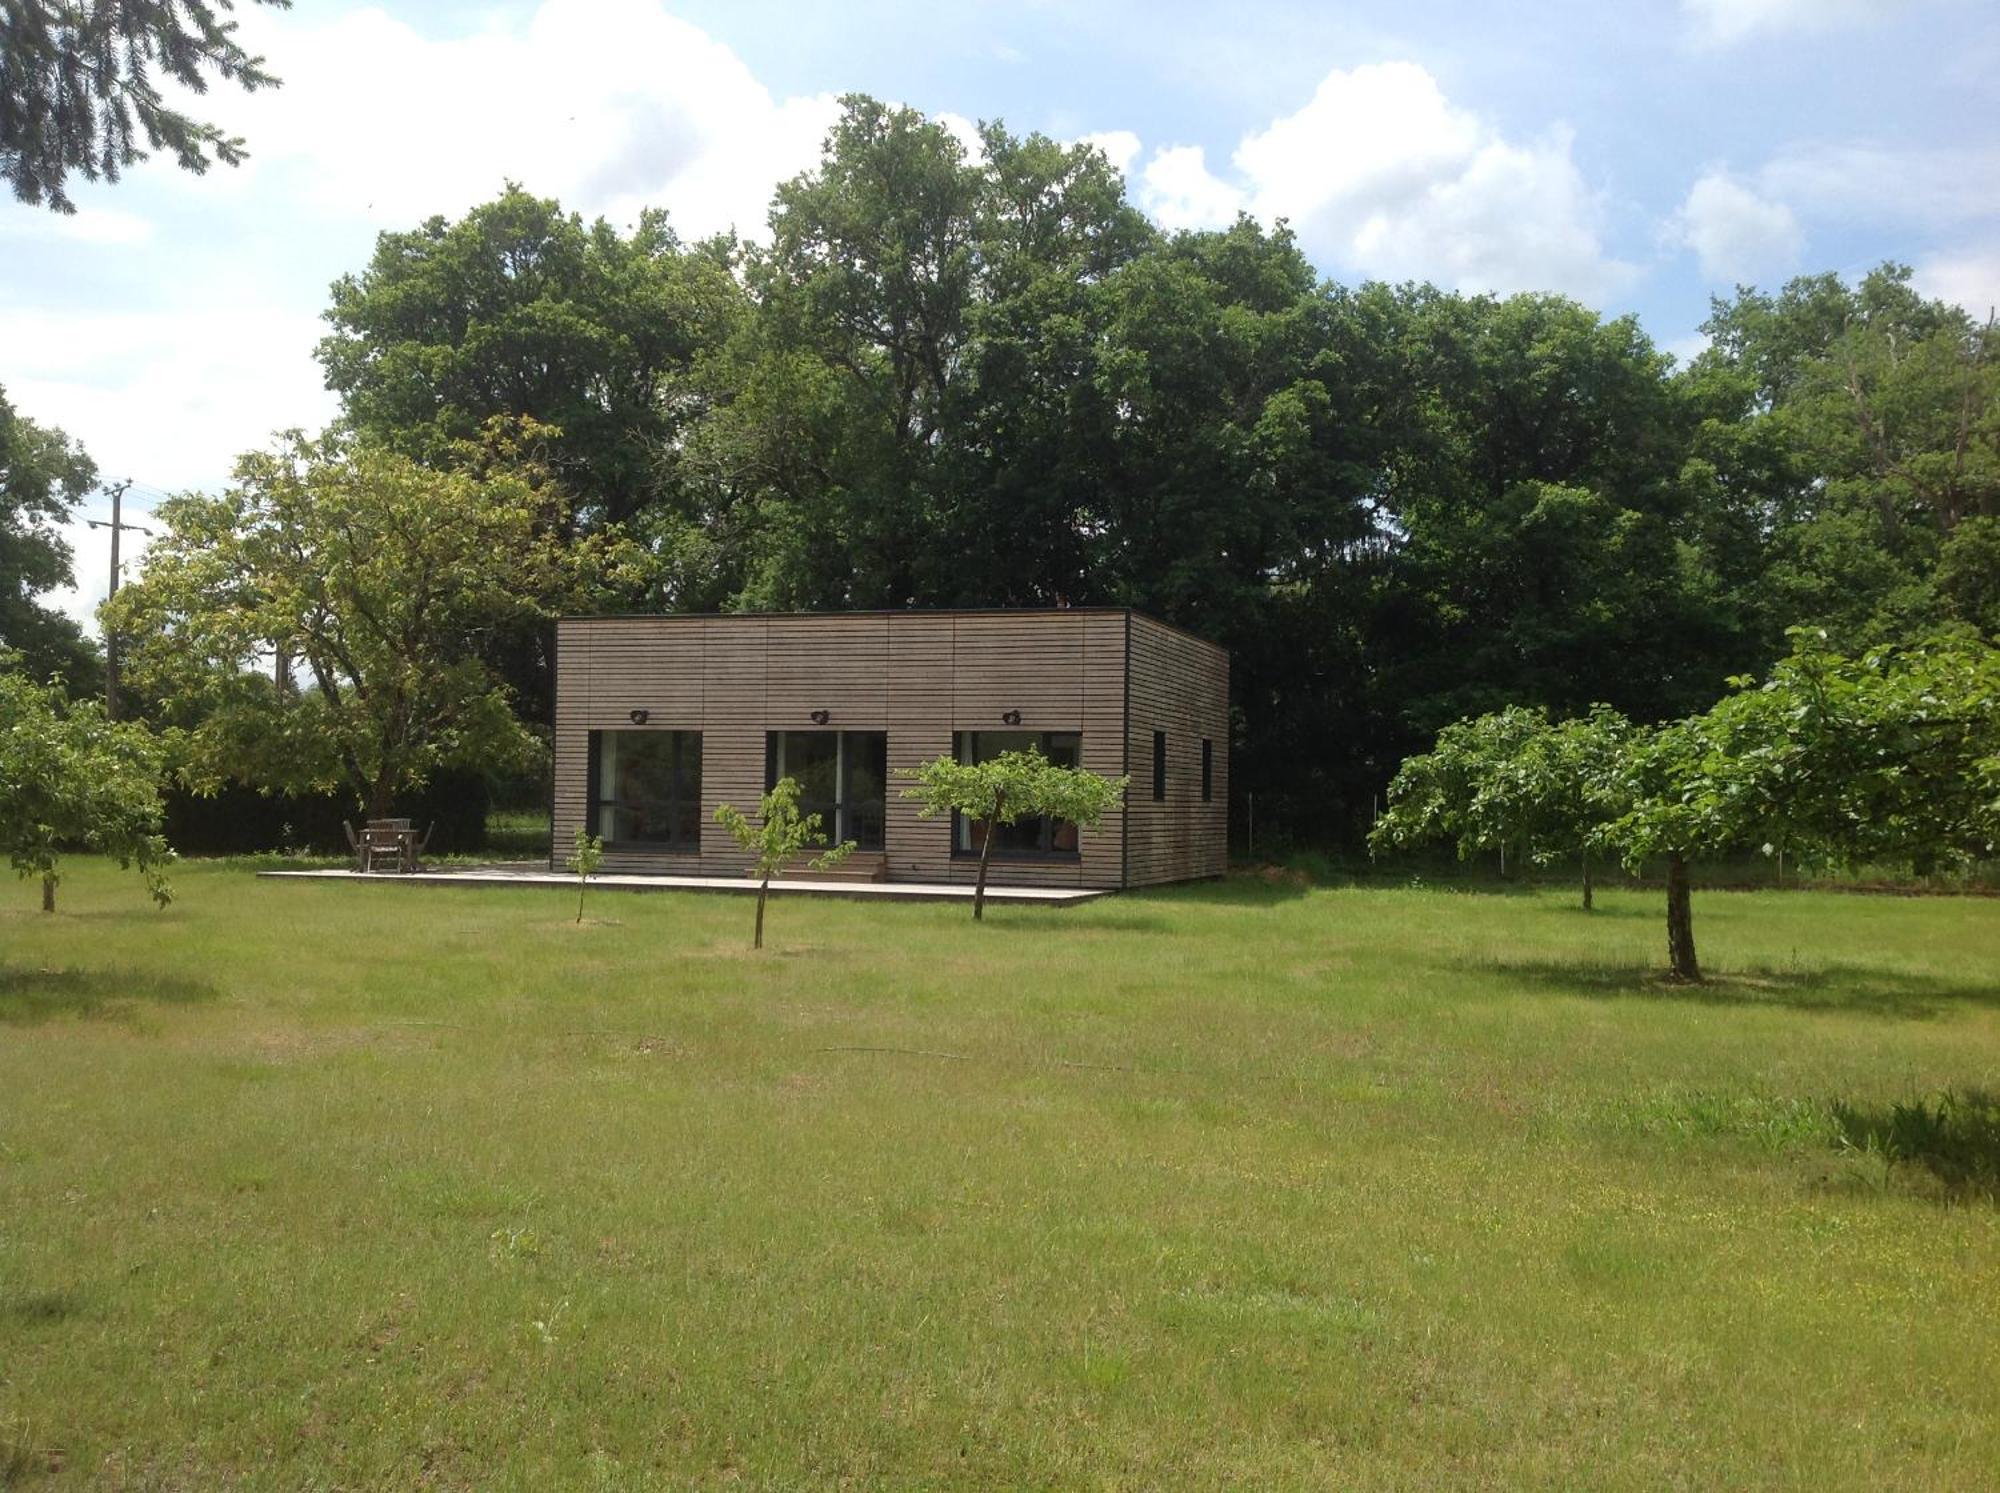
117,526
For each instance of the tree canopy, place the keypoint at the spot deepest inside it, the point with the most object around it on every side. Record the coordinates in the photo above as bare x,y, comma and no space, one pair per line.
43,476
519,310
960,377
379,579
1517,782
80,84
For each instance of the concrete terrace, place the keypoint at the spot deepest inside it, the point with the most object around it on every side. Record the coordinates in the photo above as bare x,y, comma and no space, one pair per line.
893,891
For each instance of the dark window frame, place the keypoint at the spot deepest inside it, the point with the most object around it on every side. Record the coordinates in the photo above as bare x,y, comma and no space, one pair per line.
1045,851
832,826
1207,770
595,803
1159,767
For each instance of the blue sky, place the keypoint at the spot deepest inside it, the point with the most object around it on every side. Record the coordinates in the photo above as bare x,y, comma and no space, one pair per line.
1640,156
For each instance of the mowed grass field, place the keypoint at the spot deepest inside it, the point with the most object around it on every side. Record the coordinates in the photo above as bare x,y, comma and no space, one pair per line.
1239,1185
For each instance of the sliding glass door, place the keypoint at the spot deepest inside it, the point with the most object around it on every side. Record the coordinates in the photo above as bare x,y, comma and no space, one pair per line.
843,777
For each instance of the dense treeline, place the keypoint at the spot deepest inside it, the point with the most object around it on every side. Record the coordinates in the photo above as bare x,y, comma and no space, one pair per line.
953,379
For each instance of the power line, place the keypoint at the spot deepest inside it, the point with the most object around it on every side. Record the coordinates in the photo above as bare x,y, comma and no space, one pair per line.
117,525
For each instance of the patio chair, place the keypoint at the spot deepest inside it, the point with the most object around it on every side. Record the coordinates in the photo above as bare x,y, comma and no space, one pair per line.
415,848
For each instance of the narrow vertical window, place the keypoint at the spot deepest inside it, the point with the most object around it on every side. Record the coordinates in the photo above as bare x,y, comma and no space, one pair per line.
1207,770
1159,767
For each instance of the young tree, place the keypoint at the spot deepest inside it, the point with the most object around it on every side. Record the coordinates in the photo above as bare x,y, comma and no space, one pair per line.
378,578
1007,789
775,838
72,780
584,859
80,82
1514,781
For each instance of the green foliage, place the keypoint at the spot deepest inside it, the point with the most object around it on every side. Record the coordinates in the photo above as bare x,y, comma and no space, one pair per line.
1007,789
519,310
586,855
43,476
80,83
1954,1136
71,780
377,578
985,380
1011,787
1515,782
776,837
1877,758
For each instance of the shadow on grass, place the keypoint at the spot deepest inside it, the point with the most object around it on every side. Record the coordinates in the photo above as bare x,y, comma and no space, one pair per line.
1267,888
28,996
1950,1140
41,1308
1873,992
1047,920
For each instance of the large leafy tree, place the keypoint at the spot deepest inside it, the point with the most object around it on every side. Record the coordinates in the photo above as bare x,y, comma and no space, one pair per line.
43,476
908,415
81,81
71,779
1545,551
374,580
519,309
1885,757
1885,409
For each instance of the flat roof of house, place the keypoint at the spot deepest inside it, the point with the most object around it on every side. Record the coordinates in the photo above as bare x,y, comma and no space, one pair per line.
1101,611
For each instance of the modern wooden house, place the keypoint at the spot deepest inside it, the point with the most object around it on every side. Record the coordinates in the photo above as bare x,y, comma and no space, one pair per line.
660,719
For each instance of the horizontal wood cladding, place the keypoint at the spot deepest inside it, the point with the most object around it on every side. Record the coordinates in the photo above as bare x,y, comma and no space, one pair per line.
919,676
1179,686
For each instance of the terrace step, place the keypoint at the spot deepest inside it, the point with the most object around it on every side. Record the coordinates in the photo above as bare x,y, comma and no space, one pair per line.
867,865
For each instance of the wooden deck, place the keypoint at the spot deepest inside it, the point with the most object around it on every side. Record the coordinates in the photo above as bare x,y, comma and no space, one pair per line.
890,891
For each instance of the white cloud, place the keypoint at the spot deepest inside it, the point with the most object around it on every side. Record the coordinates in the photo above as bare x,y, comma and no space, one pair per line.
609,105
1120,147
1723,23
1737,234
1382,135
1382,175
167,397
1970,279
1179,190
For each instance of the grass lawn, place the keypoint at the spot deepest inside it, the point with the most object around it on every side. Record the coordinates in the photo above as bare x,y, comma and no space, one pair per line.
313,1186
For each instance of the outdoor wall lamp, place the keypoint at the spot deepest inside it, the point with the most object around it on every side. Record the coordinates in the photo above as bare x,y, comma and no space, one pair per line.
638,717
1010,717
820,717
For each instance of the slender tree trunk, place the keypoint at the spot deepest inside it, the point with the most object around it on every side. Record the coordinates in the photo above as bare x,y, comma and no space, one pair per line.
1680,923
48,894
1586,881
763,891
985,855
581,883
